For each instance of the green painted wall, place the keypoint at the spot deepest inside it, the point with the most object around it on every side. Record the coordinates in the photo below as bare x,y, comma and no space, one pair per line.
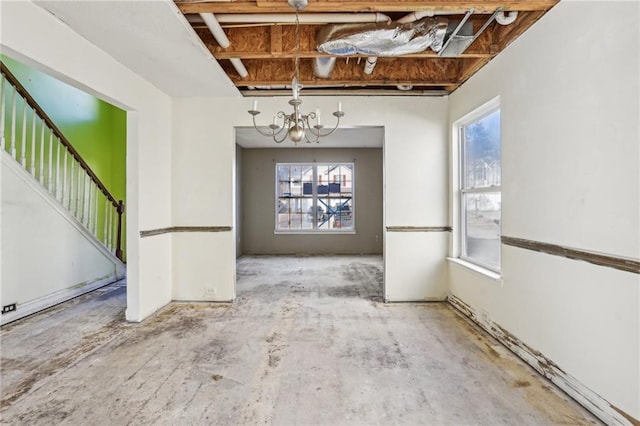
96,129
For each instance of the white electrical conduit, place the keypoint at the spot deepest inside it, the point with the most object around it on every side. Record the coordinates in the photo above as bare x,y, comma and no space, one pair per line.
506,18
370,64
215,28
415,16
305,18
222,39
239,66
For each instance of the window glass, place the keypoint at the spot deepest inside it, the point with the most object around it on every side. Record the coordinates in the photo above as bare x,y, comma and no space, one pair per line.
482,225
314,197
482,151
480,192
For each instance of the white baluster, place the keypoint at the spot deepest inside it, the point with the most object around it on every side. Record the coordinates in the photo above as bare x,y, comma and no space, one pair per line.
87,206
3,96
64,177
82,212
90,205
23,145
77,211
95,212
58,189
50,162
32,167
86,202
109,241
42,154
71,185
13,124
114,221
106,213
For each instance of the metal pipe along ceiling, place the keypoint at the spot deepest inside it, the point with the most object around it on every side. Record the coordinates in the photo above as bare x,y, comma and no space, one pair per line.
415,16
306,18
370,64
222,39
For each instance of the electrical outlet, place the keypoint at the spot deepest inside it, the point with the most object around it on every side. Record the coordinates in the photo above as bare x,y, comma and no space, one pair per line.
8,308
210,291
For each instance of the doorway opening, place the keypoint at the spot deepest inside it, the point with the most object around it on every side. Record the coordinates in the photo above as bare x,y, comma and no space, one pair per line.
309,219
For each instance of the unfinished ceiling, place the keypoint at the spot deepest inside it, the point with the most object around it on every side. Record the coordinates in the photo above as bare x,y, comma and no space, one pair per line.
257,43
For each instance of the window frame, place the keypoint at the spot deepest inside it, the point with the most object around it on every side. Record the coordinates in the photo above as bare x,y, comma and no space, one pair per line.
315,197
476,115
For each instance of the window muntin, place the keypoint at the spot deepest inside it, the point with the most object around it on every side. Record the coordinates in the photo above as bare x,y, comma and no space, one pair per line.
314,197
480,189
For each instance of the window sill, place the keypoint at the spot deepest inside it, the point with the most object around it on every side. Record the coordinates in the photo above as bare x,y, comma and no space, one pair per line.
477,269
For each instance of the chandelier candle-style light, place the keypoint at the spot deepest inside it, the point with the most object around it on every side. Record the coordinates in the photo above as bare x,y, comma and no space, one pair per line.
299,126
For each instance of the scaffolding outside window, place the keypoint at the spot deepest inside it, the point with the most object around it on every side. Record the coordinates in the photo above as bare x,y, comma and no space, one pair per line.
480,188
315,197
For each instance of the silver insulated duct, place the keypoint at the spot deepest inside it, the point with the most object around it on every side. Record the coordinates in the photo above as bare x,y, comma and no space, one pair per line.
383,39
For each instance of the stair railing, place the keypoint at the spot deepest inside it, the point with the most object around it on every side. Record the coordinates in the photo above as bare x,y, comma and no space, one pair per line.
36,143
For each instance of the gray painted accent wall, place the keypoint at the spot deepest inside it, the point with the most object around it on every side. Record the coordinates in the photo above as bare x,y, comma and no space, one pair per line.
258,203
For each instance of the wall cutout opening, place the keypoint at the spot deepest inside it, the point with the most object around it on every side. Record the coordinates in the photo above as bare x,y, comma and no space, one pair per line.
336,251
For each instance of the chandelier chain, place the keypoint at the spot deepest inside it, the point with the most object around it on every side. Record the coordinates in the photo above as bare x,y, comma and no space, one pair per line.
296,126
296,58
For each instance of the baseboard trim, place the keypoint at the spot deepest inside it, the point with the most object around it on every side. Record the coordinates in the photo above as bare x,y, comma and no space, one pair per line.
42,303
593,402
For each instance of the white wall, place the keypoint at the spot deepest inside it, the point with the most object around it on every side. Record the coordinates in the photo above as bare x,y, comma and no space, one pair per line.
46,256
571,164
57,50
415,162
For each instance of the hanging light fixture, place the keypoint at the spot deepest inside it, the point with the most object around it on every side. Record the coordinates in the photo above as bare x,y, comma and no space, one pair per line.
298,126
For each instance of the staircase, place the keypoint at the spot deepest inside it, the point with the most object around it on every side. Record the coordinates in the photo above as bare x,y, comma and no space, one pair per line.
42,150
41,160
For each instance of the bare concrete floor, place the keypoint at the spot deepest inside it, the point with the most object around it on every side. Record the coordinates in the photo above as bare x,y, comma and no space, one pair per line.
308,341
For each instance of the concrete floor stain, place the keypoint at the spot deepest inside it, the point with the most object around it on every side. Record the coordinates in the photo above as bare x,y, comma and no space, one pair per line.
307,341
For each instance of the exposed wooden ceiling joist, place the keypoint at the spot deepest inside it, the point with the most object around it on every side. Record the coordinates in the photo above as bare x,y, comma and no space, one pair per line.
388,72
507,34
267,49
281,6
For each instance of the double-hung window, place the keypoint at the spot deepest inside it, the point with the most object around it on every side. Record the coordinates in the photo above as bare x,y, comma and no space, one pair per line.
315,197
480,187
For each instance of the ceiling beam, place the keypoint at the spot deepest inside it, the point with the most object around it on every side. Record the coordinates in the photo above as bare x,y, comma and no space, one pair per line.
228,54
470,67
275,37
308,84
281,6
386,91
388,72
